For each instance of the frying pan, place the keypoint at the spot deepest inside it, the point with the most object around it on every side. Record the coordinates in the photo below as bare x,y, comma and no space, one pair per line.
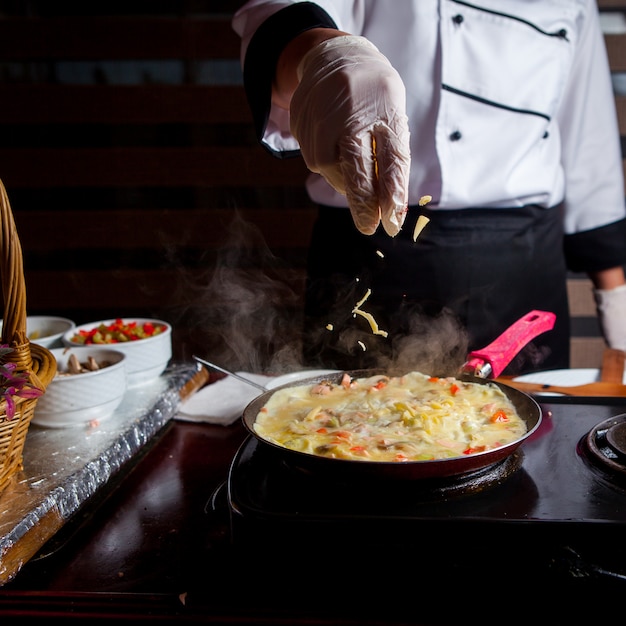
492,359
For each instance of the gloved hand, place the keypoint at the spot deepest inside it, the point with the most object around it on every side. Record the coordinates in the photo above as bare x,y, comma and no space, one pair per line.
349,116
611,307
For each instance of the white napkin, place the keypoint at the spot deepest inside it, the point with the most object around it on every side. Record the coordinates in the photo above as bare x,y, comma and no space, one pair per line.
221,402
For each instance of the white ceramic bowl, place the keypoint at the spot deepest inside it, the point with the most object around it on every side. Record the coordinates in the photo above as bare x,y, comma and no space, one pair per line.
47,330
80,399
146,359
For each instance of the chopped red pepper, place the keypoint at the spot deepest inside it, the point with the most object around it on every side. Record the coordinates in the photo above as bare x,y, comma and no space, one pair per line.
118,332
454,389
499,416
474,450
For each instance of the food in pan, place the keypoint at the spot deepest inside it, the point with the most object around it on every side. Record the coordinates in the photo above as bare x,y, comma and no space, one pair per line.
414,417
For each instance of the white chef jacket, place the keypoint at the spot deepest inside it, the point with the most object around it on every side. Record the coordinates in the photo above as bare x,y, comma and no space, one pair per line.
509,102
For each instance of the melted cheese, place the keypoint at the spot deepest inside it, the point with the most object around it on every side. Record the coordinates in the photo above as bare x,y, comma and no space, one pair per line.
413,417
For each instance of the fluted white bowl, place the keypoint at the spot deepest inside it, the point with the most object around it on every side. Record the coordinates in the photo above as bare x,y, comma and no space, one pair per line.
47,330
84,398
146,359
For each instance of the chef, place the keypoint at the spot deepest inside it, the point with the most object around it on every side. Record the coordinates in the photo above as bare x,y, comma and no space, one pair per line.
494,120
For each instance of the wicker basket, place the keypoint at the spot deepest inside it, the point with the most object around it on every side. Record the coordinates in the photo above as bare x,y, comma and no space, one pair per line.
29,358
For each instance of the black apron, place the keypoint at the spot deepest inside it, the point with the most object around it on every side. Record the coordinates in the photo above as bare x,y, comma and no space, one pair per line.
469,275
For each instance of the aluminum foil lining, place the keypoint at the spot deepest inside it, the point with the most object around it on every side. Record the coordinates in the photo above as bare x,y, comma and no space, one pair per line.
65,467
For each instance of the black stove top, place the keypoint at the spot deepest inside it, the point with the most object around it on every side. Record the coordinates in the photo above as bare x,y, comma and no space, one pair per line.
564,511
552,477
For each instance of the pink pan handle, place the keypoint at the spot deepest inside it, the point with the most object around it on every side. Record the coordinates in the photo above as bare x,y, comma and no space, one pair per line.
500,352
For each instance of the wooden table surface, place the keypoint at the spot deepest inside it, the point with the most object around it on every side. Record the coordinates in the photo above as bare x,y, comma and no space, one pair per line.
154,550
140,544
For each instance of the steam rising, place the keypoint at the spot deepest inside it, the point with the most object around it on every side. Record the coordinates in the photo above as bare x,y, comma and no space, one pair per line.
248,317
247,313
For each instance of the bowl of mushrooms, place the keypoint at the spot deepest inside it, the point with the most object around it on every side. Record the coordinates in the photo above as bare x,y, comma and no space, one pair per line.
89,385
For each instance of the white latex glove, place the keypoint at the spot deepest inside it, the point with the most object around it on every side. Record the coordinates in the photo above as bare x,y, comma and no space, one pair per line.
349,116
611,306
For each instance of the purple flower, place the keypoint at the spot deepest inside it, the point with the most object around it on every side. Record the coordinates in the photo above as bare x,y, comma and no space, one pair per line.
14,384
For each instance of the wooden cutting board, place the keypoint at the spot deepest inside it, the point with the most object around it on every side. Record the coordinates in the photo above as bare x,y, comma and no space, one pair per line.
612,370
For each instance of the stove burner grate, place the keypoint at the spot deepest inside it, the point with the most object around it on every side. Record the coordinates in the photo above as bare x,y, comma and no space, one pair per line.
605,447
425,489
259,473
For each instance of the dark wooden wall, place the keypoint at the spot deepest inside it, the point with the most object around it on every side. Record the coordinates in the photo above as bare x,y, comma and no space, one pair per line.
137,184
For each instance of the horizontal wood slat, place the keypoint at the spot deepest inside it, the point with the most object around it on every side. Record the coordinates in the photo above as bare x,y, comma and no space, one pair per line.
117,38
114,104
162,167
616,49
184,297
580,294
144,104
604,5
42,231
123,38
620,103
586,352
129,289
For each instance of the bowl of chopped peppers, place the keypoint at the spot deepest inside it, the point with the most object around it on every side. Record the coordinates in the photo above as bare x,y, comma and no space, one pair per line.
147,344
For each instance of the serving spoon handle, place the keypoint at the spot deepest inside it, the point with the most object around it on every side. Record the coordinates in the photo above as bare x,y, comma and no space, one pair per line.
229,373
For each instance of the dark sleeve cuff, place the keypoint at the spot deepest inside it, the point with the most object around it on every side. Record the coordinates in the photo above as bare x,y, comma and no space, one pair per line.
597,249
262,56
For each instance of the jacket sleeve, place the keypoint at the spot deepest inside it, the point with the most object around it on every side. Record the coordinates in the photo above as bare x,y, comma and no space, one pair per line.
594,207
596,249
260,57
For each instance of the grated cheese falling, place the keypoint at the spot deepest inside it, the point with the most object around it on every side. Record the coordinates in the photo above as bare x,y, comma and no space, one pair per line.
368,293
368,316
422,220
